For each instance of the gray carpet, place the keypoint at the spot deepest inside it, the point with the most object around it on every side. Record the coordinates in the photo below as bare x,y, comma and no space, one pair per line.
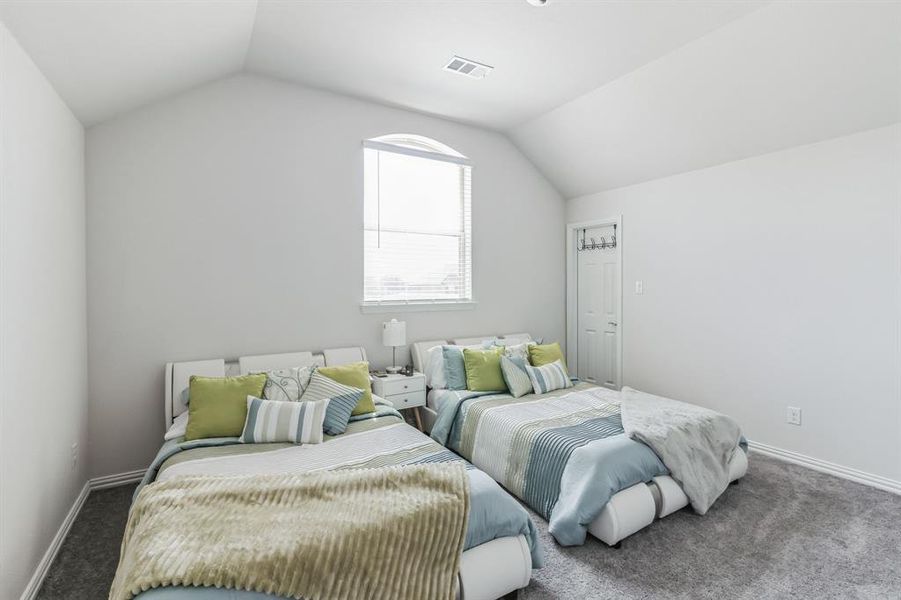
782,532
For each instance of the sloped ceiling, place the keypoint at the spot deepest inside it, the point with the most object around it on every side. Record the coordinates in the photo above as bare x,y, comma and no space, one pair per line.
786,75
109,56
598,94
105,58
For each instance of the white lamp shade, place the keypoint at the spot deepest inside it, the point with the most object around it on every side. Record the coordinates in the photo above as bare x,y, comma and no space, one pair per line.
394,333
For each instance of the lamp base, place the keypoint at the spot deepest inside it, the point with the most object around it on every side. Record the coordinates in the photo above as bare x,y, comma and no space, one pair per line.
393,370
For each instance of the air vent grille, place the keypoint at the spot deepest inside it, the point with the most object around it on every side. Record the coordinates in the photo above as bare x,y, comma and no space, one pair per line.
470,68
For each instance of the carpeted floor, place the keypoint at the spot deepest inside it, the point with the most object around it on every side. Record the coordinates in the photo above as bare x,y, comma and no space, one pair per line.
782,532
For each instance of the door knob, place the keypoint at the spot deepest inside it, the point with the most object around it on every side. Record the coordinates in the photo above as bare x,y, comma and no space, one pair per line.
611,323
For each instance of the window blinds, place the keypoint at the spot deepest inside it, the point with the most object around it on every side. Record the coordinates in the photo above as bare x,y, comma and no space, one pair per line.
417,226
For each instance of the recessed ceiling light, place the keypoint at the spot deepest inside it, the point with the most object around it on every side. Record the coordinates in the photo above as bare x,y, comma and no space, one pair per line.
537,2
470,68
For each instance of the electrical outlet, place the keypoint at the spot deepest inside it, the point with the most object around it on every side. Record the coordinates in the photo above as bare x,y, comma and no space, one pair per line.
793,415
639,288
74,454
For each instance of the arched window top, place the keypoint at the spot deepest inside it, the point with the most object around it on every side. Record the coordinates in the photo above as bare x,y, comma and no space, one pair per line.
417,142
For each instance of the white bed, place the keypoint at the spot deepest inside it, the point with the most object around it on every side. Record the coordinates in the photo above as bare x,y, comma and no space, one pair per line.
628,511
488,571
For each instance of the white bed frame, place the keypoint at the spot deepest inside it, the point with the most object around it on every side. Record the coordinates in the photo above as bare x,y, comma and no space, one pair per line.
628,511
488,571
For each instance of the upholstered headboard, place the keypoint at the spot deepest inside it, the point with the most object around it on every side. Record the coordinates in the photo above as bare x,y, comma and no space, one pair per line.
178,375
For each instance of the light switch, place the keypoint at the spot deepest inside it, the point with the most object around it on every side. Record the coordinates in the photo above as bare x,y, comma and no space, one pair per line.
639,288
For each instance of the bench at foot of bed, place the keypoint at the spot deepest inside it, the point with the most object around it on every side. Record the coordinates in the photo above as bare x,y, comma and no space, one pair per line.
634,508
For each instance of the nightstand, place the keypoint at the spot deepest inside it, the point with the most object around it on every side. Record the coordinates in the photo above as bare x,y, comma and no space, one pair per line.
402,391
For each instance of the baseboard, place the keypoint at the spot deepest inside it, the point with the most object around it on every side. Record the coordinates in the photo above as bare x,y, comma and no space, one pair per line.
31,590
108,481
97,483
823,466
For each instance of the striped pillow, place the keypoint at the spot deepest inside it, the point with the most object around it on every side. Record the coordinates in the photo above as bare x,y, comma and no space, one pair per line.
515,376
287,385
273,421
343,400
548,378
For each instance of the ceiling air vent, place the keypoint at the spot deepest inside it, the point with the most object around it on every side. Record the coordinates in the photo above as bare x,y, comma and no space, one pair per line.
467,67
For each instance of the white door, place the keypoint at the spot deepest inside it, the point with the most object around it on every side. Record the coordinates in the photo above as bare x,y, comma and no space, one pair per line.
598,310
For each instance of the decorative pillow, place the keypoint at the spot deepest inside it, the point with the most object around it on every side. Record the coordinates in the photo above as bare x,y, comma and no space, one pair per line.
343,400
548,378
454,368
177,429
515,376
275,421
483,370
218,405
434,369
287,385
520,351
545,354
355,375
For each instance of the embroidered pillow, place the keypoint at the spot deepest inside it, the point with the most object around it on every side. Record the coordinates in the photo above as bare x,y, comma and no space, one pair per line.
270,421
520,351
548,378
515,376
343,399
287,385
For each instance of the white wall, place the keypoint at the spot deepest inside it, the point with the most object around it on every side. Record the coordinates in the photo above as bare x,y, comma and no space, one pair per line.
43,363
228,221
769,282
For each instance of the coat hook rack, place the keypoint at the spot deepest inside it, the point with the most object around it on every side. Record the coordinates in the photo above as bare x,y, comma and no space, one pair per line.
594,244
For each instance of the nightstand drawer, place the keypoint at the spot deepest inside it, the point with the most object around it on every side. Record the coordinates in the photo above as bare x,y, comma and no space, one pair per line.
402,385
402,401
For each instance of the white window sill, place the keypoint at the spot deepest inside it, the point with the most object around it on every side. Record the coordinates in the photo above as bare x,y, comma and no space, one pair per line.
391,307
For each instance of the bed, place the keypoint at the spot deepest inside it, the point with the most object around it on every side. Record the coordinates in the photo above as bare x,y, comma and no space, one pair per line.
501,546
609,488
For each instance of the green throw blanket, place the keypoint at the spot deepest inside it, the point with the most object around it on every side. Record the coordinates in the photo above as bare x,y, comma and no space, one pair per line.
391,532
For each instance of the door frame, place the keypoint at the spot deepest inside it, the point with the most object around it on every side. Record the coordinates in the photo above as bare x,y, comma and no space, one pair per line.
572,292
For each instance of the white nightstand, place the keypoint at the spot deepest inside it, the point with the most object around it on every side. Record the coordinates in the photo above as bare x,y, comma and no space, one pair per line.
402,391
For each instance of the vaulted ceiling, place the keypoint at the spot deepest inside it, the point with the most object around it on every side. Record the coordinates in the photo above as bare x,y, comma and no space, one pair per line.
598,94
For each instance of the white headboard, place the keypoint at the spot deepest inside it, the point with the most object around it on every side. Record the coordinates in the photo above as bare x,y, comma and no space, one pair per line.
420,350
178,375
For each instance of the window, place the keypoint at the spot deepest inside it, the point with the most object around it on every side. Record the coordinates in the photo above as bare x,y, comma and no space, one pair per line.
417,226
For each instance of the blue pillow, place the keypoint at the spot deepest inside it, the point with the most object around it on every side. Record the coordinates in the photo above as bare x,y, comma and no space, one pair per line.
454,368
342,400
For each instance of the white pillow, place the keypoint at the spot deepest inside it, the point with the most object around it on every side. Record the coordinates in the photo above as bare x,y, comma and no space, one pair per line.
287,385
520,351
434,369
178,427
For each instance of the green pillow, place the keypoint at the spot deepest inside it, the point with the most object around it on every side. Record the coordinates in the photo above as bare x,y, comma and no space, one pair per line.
545,354
355,375
483,370
218,405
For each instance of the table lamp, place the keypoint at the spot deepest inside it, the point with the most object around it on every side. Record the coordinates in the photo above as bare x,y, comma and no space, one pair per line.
394,334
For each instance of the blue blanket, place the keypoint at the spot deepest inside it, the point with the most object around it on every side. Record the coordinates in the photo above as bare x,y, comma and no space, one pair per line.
563,453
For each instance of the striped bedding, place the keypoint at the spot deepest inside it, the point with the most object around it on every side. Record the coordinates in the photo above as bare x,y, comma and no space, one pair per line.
374,440
564,453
